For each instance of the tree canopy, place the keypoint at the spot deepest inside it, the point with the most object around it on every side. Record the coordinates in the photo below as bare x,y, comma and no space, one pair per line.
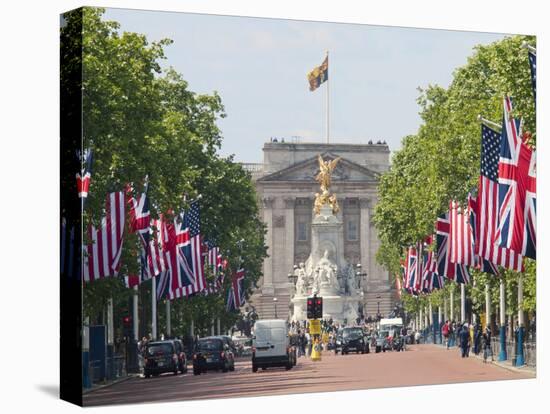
143,120
441,162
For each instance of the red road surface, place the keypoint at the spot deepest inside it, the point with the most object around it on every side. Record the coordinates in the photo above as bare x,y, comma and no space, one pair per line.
419,365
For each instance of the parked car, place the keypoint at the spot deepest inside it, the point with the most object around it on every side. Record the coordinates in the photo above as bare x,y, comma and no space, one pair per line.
382,342
271,345
229,342
160,357
353,339
212,353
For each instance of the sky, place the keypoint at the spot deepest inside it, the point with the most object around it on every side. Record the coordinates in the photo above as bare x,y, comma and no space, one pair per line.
259,67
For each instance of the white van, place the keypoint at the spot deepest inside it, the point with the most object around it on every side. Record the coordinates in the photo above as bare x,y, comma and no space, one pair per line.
270,345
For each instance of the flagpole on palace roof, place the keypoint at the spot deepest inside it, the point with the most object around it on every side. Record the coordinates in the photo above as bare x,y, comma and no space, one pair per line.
328,103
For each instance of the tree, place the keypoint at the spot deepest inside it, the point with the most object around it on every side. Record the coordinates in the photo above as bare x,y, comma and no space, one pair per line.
441,162
141,120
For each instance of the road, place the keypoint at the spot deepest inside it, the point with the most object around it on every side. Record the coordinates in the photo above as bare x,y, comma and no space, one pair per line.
419,365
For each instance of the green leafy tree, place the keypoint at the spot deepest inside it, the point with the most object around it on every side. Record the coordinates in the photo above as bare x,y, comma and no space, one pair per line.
441,162
142,120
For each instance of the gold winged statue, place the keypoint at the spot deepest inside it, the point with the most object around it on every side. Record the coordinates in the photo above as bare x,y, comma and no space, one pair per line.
324,178
326,169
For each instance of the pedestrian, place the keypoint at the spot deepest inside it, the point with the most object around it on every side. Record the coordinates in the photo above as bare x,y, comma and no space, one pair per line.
417,337
471,331
308,343
477,339
487,351
464,340
445,333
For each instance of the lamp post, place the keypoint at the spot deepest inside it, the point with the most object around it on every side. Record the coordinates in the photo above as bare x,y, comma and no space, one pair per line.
275,302
378,307
360,275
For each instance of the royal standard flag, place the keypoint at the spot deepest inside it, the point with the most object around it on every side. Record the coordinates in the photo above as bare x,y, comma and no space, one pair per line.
318,75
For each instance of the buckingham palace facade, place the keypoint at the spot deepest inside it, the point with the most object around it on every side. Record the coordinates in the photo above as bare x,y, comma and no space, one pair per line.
286,186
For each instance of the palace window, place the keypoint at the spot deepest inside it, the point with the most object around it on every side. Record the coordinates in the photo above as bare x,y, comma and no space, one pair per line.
302,230
352,229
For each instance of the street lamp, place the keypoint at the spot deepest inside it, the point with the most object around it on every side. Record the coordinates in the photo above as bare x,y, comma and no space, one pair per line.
360,275
275,302
378,307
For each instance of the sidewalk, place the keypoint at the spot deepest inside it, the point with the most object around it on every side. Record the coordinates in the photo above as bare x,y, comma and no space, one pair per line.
503,364
109,383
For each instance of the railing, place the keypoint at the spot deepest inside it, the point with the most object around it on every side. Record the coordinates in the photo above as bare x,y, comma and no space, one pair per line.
115,368
253,167
529,350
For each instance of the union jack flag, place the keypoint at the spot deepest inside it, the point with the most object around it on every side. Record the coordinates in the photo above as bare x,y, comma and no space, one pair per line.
411,269
176,240
102,258
140,223
517,191
430,278
485,207
84,176
453,271
236,294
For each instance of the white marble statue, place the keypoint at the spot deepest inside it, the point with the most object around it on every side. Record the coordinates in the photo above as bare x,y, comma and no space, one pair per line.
327,270
301,282
316,283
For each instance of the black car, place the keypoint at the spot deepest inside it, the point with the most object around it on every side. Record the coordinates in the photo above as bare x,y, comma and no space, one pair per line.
227,340
212,353
162,356
353,339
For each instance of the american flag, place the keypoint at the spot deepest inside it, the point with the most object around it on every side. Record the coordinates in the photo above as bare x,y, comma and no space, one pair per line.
192,251
84,176
102,258
517,191
482,264
236,294
156,258
461,248
486,206
533,65
453,271
216,263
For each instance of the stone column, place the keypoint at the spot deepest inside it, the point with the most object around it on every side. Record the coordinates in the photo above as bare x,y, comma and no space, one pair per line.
365,241
289,203
267,286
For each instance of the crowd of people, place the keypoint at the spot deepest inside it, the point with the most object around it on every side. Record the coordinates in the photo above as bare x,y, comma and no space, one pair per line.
468,337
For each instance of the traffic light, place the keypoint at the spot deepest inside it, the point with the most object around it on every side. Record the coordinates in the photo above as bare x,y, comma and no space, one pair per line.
127,325
318,306
310,308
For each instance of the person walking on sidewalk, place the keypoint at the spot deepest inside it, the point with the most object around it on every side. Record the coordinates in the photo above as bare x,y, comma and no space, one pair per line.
464,340
445,333
487,351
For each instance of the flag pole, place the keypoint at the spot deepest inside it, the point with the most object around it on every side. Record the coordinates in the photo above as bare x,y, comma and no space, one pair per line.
154,307
328,103
135,319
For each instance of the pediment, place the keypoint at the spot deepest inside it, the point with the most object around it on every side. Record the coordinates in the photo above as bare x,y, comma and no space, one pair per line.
305,171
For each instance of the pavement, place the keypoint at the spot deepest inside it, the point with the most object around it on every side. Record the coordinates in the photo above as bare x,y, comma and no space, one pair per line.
424,364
